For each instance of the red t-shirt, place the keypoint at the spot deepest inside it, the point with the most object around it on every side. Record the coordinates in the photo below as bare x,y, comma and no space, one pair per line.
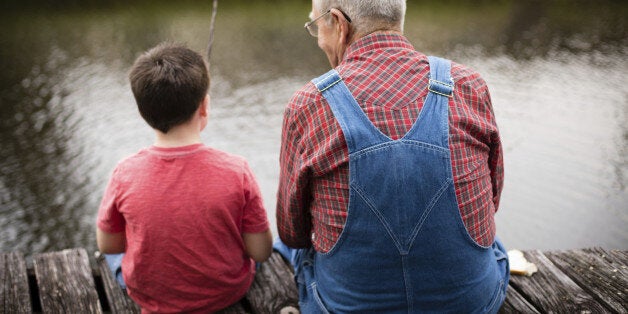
184,211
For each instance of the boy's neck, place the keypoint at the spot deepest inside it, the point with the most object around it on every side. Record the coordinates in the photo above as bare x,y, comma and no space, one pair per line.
182,135
187,133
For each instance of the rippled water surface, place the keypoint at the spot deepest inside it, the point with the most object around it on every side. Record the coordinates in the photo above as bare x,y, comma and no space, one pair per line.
556,71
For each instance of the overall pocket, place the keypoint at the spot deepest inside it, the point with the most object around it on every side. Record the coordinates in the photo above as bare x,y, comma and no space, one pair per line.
503,268
498,298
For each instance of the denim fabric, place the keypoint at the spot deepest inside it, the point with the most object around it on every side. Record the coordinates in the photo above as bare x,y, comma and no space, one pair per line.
302,260
114,261
404,247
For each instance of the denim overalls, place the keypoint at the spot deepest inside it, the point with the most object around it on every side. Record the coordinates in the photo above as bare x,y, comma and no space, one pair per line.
404,247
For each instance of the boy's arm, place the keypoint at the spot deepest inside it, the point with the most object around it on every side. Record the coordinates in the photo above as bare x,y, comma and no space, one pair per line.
110,243
109,218
258,246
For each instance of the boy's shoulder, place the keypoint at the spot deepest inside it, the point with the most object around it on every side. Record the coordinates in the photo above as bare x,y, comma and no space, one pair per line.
198,153
222,154
203,157
202,154
133,160
222,158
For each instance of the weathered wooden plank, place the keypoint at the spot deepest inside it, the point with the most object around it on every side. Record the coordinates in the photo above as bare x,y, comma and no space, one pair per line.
598,273
516,303
564,284
14,294
620,255
119,300
550,290
274,290
237,308
65,281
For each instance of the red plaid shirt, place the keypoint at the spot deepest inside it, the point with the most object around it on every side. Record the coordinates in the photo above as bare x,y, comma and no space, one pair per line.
389,80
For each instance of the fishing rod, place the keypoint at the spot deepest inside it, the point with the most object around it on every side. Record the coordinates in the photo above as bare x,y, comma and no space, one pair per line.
211,30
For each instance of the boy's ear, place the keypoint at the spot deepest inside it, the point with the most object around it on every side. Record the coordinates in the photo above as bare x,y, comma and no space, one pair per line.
204,107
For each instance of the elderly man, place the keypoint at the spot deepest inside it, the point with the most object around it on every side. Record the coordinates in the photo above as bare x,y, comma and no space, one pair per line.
391,174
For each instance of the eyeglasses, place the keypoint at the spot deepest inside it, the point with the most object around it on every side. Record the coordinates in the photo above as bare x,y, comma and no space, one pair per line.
312,28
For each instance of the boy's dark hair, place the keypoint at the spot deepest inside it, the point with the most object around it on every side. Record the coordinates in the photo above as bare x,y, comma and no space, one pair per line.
169,82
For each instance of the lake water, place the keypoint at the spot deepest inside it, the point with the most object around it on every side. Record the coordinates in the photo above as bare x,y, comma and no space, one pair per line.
556,71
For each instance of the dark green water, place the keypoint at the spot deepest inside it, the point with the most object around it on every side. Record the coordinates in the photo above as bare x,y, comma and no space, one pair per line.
556,71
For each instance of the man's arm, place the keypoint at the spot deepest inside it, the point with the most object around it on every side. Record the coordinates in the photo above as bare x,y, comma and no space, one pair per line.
110,243
495,157
293,216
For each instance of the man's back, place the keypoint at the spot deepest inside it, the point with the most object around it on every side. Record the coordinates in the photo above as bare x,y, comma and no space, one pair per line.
389,80
394,191
404,241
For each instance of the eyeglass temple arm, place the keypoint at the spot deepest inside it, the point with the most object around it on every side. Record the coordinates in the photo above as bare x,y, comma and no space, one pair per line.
346,16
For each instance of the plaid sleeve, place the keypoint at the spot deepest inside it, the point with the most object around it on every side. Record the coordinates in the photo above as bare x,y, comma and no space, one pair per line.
496,157
476,152
293,216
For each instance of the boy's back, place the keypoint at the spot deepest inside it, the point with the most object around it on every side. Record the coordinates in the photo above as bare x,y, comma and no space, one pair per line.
189,218
185,209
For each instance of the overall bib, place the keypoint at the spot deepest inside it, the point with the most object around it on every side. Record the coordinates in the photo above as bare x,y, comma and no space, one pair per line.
404,247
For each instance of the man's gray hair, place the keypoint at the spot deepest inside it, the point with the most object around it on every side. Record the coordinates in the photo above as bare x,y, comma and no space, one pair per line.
368,16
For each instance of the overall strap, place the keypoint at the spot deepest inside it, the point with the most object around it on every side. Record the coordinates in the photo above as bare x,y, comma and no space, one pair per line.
432,126
357,129
441,82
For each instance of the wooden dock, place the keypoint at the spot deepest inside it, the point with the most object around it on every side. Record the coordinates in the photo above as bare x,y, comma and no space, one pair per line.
70,281
575,281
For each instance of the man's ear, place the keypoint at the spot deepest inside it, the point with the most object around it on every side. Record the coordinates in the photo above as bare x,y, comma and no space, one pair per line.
343,25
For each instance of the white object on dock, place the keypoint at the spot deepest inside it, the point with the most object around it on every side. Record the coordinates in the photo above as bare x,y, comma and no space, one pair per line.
519,265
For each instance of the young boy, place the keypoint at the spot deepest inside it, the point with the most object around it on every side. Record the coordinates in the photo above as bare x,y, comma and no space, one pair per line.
189,218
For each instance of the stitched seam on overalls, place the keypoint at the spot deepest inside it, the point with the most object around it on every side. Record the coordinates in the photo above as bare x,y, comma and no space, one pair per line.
496,296
329,84
380,146
317,298
343,234
433,147
408,283
380,217
427,211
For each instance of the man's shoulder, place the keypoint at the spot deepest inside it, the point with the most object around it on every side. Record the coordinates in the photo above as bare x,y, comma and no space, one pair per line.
304,96
466,76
